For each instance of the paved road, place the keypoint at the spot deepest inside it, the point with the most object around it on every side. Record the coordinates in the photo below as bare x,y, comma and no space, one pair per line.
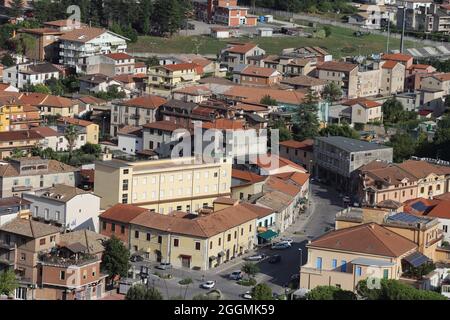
317,219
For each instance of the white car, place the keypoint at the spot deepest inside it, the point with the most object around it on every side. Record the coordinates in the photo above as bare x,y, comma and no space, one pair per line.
256,257
247,295
235,275
288,240
281,245
208,285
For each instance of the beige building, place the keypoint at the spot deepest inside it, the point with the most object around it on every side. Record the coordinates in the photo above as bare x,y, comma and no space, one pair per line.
436,82
91,129
364,111
344,74
392,77
245,184
162,185
344,257
236,53
199,242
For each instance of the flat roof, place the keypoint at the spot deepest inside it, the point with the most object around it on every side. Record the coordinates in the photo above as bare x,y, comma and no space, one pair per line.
372,262
351,145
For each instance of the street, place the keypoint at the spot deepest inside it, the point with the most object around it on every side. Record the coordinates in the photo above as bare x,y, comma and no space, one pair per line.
318,218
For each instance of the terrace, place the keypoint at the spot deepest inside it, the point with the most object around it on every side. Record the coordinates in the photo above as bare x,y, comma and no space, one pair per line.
71,255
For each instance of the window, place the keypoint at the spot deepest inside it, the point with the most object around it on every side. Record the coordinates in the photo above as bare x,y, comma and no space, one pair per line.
113,227
422,190
235,234
358,271
445,228
220,241
334,263
319,263
229,237
136,234
343,266
210,245
242,230
57,215
197,246
250,228
122,229
104,225
84,274
42,242
159,239
126,171
176,242
62,275
23,257
179,208
125,185
385,273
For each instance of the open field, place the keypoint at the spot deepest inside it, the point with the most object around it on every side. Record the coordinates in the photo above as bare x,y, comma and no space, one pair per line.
340,43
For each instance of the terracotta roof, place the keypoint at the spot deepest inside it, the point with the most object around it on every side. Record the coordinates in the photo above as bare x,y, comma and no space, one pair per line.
183,66
425,205
194,90
29,228
296,177
225,200
441,210
62,192
149,102
396,57
304,81
4,86
78,122
307,144
119,56
247,176
131,130
240,47
82,35
366,103
282,162
261,212
164,125
442,76
42,31
54,166
7,136
224,124
276,200
46,132
258,71
255,94
251,107
57,102
389,175
420,66
389,64
337,66
91,100
422,169
274,183
122,213
140,64
12,201
369,238
88,175
89,239
60,23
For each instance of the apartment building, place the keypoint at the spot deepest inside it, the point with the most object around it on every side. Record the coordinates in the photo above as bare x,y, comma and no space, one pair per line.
22,75
68,206
363,110
245,184
164,185
402,58
370,18
135,112
305,82
49,104
32,174
344,257
336,158
235,54
436,82
16,116
53,138
130,140
225,12
344,74
24,141
83,126
162,136
392,77
79,44
112,64
300,152
288,65
12,208
46,44
164,79
256,76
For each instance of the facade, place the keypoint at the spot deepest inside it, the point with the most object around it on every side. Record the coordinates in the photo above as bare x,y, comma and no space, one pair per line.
161,136
392,77
363,110
256,76
46,44
22,141
32,174
22,75
288,65
344,74
112,64
130,139
53,138
336,158
235,54
246,184
16,116
68,206
150,184
225,12
12,208
83,126
300,152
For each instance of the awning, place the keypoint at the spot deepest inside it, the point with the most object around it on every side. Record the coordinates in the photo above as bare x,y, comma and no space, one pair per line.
212,258
221,254
416,259
269,234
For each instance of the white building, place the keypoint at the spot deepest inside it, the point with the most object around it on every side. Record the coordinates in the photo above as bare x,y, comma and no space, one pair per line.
77,45
96,83
55,140
69,206
30,74
114,64
130,139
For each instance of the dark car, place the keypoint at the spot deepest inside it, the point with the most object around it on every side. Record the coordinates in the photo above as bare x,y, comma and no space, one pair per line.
136,258
275,258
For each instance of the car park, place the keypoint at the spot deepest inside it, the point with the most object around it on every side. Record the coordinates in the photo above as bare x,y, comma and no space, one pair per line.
208,285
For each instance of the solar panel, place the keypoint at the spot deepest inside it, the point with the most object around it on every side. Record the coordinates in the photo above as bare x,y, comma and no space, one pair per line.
420,206
417,259
405,217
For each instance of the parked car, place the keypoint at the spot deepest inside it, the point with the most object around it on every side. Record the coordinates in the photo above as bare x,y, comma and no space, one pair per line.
288,240
236,275
208,284
256,257
136,258
164,266
281,245
275,258
247,295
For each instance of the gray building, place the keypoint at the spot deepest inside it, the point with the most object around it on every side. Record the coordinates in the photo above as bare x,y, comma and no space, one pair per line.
336,158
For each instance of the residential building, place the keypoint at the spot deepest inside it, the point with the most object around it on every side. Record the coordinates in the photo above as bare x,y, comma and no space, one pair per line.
300,152
255,76
49,104
53,138
23,75
164,79
344,257
288,65
83,126
195,94
112,64
95,83
336,158
150,184
392,77
23,141
235,54
79,44
130,139
12,208
344,74
298,179
135,112
364,110
46,44
369,18
415,74
315,53
436,82
162,136
404,59
225,12
32,174
16,116
305,82
64,25
68,206
245,184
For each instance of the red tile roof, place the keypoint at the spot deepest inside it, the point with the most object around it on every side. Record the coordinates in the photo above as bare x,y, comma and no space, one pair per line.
122,213
307,144
296,177
150,102
337,66
396,57
225,124
164,125
366,103
247,176
184,66
389,64
282,162
77,122
258,71
241,48
277,184
119,56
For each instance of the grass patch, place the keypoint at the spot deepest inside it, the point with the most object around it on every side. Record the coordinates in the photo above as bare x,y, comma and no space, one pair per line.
247,282
341,42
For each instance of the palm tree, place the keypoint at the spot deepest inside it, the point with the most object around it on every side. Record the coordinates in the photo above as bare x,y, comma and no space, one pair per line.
17,153
71,134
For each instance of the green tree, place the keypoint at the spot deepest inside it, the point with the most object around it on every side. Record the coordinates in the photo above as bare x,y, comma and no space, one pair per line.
307,125
262,292
8,282
71,134
250,269
284,133
18,153
268,100
332,92
115,260
7,60
38,88
404,146
141,292
343,130
330,293
16,8
394,113
327,31
91,148
168,16
152,61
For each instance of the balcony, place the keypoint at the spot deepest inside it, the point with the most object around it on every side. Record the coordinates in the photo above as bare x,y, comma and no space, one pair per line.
7,245
21,188
59,258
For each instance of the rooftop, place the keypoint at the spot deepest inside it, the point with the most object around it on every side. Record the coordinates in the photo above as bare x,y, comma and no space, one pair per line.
351,145
29,228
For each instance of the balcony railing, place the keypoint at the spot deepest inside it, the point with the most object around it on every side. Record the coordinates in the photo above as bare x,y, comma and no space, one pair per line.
54,260
21,188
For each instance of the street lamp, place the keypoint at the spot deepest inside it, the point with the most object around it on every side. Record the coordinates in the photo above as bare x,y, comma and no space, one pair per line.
301,256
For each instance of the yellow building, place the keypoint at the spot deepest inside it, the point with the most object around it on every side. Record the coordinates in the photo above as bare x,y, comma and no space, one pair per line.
199,242
162,185
91,129
14,116
344,257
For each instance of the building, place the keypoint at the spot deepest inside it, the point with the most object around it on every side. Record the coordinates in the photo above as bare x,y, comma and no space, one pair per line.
23,75
16,116
344,74
95,83
164,79
130,139
236,53
246,184
113,64
288,65
368,18
162,136
225,12
256,76
18,141
32,174
49,105
336,158
68,206
363,110
344,257
46,44
305,82
83,126
79,44
392,77
135,112
300,152
12,208
195,94
53,138
150,184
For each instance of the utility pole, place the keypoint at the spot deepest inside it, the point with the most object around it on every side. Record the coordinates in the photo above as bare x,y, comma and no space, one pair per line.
402,39
388,31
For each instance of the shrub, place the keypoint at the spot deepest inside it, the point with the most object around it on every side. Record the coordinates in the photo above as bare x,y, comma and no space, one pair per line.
247,282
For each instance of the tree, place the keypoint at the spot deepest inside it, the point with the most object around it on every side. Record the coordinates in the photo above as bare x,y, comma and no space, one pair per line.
71,134
168,16
17,153
268,100
152,61
330,293
262,292
39,88
332,92
16,8
343,130
141,292
307,125
393,112
8,282
404,146
327,30
7,60
115,260
283,131
91,148
250,269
